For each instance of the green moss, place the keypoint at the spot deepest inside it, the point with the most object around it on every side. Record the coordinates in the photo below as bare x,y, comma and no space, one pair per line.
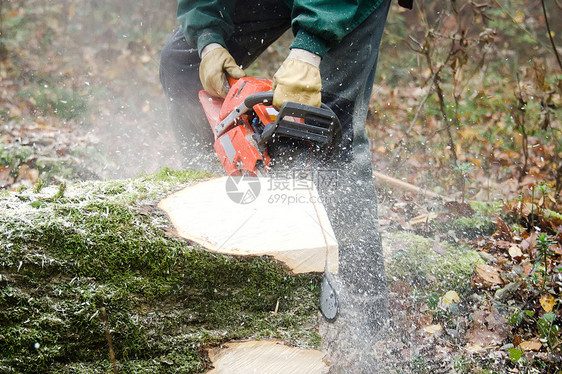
13,156
467,227
101,245
486,208
431,266
552,215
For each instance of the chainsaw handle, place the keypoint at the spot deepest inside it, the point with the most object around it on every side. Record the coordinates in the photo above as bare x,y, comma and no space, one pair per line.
265,98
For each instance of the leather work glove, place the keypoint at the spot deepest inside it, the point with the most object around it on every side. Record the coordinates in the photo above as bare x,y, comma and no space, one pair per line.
215,62
298,79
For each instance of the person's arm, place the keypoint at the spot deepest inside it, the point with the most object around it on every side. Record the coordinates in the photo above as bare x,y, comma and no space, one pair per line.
206,21
319,25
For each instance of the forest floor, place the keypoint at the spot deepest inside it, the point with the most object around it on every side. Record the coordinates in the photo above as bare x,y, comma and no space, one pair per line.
75,109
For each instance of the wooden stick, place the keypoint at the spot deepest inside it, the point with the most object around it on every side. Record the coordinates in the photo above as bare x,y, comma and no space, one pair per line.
109,343
405,186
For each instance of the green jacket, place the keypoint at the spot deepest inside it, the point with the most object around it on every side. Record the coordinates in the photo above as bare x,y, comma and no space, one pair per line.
318,25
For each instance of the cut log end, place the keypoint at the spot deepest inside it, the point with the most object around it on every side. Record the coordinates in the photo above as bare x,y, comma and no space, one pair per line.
298,235
265,357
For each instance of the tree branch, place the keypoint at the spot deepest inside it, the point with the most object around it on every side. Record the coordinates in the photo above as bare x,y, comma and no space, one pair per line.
550,35
405,186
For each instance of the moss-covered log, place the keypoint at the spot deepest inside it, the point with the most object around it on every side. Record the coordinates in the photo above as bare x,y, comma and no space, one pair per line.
66,253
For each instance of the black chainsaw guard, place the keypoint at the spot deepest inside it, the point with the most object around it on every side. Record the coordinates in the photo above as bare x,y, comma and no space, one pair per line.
328,298
321,125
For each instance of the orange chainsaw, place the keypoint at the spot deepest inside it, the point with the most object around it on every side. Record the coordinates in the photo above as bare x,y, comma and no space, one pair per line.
245,122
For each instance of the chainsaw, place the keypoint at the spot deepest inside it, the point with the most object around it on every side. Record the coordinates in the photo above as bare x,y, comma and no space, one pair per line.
244,124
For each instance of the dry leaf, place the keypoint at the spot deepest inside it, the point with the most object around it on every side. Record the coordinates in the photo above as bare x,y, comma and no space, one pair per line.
514,251
503,244
529,243
488,275
496,321
527,268
27,173
502,230
432,329
530,345
438,248
547,302
450,297
71,11
5,177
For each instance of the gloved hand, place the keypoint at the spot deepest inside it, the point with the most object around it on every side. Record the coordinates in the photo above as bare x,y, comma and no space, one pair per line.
298,79
215,62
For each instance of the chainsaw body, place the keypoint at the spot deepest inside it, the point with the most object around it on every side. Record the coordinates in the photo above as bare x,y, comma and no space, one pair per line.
245,121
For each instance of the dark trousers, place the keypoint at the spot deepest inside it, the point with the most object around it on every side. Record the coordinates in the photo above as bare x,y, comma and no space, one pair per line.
347,72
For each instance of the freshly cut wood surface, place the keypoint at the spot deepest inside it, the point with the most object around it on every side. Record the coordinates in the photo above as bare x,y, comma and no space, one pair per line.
265,357
289,225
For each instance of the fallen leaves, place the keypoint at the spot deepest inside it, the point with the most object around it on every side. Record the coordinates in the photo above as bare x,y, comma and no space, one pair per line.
515,252
6,177
530,345
517,283
503,232
524,259
450,297
486,276
547,302
489,328
433,329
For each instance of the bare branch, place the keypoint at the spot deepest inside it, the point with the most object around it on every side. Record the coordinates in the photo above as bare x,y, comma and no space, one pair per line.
550,35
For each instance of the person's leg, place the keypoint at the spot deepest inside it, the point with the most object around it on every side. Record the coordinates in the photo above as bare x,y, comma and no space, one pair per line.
348,74
179,77
256,27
